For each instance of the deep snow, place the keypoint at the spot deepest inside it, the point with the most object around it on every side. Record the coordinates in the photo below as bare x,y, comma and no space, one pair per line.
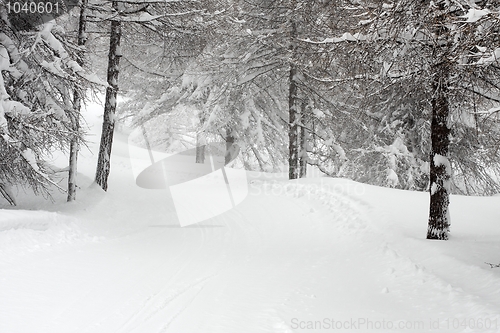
316,255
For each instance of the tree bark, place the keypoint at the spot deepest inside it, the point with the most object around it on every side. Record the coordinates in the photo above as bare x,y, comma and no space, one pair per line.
230,149
440,167
77,105
293,108
200,148
303,141
108,125
200,142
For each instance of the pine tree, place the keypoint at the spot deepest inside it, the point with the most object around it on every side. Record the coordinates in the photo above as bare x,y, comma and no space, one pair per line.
430,47
276,31
39,77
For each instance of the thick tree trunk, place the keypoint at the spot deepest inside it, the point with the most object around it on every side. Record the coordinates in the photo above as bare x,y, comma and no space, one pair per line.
303,142
77,104
108,124
293,110
440,166
303,153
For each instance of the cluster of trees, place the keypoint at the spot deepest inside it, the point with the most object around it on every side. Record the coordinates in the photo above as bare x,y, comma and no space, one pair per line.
42,85
400,93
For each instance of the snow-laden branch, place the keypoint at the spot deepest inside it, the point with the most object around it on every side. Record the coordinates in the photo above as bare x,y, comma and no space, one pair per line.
489,111
137,15
474,15
62,57
346,37
4,66
140,2
489,58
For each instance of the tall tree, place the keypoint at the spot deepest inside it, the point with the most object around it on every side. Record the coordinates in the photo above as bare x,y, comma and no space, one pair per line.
77,105
165,19
440,167
277,29
293,98
108,124
430,46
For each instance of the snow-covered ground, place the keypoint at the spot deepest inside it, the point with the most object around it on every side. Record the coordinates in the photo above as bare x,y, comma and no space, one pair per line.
317,255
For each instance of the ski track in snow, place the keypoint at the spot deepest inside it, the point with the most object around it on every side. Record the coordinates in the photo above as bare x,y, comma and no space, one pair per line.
168,294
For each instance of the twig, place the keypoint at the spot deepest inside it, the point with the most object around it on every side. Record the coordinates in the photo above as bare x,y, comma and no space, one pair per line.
492,265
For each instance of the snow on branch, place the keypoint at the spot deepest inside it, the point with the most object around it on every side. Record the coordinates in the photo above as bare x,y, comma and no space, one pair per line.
474,15
490,58
346,37
4,65
489,111
140,18
140,2
62,57
17,67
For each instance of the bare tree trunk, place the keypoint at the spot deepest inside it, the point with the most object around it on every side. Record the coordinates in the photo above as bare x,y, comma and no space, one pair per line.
303,153
303,141
230,149
259,159
108,125
7,194
77,105
440,167
200,148
200,141
293,109
73,149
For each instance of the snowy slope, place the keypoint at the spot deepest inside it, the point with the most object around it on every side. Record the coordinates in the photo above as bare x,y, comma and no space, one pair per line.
308,256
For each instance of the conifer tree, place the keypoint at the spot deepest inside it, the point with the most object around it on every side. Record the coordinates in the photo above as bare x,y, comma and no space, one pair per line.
38,81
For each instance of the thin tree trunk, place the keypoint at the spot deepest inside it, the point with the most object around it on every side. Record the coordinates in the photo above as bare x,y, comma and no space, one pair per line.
259,159
7,194
108,125
200,148
77,105
230,149
293,108
200,141
440,167
73,149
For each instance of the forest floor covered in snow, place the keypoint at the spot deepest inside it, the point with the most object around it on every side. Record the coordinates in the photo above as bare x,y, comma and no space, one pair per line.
316,255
